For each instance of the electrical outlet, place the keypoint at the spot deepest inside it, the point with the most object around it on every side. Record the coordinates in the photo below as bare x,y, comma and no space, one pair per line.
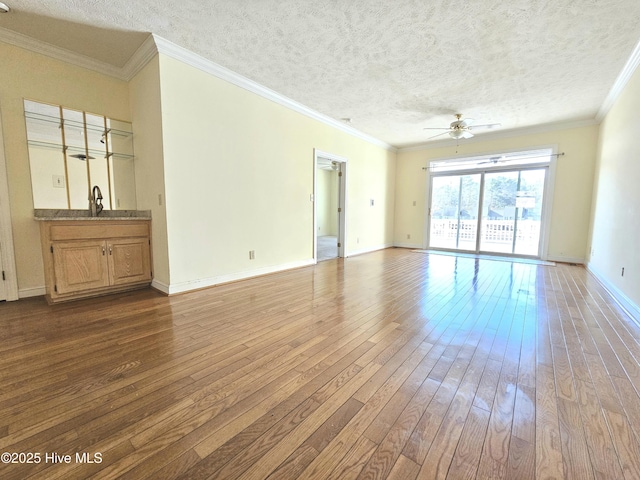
408,236
160,199
414,203
252,254
372,202
358,240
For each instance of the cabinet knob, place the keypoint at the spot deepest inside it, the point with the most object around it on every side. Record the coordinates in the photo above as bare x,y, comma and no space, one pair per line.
110,250
102,250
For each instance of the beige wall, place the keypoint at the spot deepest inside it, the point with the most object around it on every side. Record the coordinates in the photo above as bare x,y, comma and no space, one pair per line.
327,202
615,231
44,164
239,175
146,112
29,75
238,169
323,200
571,196
225,171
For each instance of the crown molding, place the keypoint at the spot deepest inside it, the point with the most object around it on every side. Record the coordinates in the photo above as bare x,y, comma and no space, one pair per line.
140,58
514,132
37,46
618,86
155,44
176,52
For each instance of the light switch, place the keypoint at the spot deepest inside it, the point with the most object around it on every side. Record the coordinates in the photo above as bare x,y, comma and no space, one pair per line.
58,181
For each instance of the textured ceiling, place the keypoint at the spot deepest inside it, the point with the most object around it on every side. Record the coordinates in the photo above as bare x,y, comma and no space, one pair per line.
394,67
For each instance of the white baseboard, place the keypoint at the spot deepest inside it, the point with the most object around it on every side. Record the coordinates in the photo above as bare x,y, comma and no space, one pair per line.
161,287
353,253
414,246
562,259
211,281
31,292
621,299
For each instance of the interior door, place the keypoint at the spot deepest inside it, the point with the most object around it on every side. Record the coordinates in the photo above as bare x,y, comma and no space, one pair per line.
340,199
5,251
454,208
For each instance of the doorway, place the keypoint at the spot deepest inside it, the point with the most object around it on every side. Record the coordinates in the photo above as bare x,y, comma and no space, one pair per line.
329,206
495,205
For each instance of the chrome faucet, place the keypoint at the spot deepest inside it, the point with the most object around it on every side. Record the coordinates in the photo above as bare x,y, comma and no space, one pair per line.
95,201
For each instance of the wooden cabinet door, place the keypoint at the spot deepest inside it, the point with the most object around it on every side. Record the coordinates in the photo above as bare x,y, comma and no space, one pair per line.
80,265
129,260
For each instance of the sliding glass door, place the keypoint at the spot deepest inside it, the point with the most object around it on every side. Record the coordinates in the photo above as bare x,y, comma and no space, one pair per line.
507,202
454,212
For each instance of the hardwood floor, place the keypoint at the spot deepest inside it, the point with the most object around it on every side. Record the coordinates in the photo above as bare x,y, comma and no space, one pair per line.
393,365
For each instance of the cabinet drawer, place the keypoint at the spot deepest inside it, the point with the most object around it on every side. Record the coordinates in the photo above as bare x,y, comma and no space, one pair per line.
98,230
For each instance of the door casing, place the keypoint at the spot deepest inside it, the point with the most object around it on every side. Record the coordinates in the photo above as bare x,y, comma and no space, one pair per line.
342,201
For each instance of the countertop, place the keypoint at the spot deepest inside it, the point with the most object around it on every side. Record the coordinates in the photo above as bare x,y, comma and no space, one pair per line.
45,214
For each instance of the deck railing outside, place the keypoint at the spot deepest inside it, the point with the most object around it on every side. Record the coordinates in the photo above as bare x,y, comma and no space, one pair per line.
496,235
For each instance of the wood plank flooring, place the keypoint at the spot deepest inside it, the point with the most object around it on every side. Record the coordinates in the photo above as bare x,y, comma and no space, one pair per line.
394,364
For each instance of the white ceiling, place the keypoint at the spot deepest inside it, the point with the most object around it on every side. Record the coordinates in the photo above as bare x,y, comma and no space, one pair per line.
393,67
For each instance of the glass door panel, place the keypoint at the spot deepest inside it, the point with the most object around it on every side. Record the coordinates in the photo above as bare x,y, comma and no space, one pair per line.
454,212
512,211
498,212
529,205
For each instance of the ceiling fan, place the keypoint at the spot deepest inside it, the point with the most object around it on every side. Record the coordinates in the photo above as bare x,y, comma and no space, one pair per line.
460,128
493,160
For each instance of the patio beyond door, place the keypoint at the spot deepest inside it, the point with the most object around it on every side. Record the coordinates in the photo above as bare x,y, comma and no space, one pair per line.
488,212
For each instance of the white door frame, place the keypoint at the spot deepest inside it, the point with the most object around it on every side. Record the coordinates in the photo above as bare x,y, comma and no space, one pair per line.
342,201
7,255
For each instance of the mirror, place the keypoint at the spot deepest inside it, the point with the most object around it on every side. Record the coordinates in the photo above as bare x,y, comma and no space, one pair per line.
70,151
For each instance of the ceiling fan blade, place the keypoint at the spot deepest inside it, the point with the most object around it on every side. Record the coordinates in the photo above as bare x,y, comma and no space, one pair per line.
466,122
466,134
492,160
438,135
435,128
487,125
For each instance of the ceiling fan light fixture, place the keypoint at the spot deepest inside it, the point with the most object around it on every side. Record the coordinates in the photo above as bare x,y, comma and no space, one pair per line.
82,157
455,133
